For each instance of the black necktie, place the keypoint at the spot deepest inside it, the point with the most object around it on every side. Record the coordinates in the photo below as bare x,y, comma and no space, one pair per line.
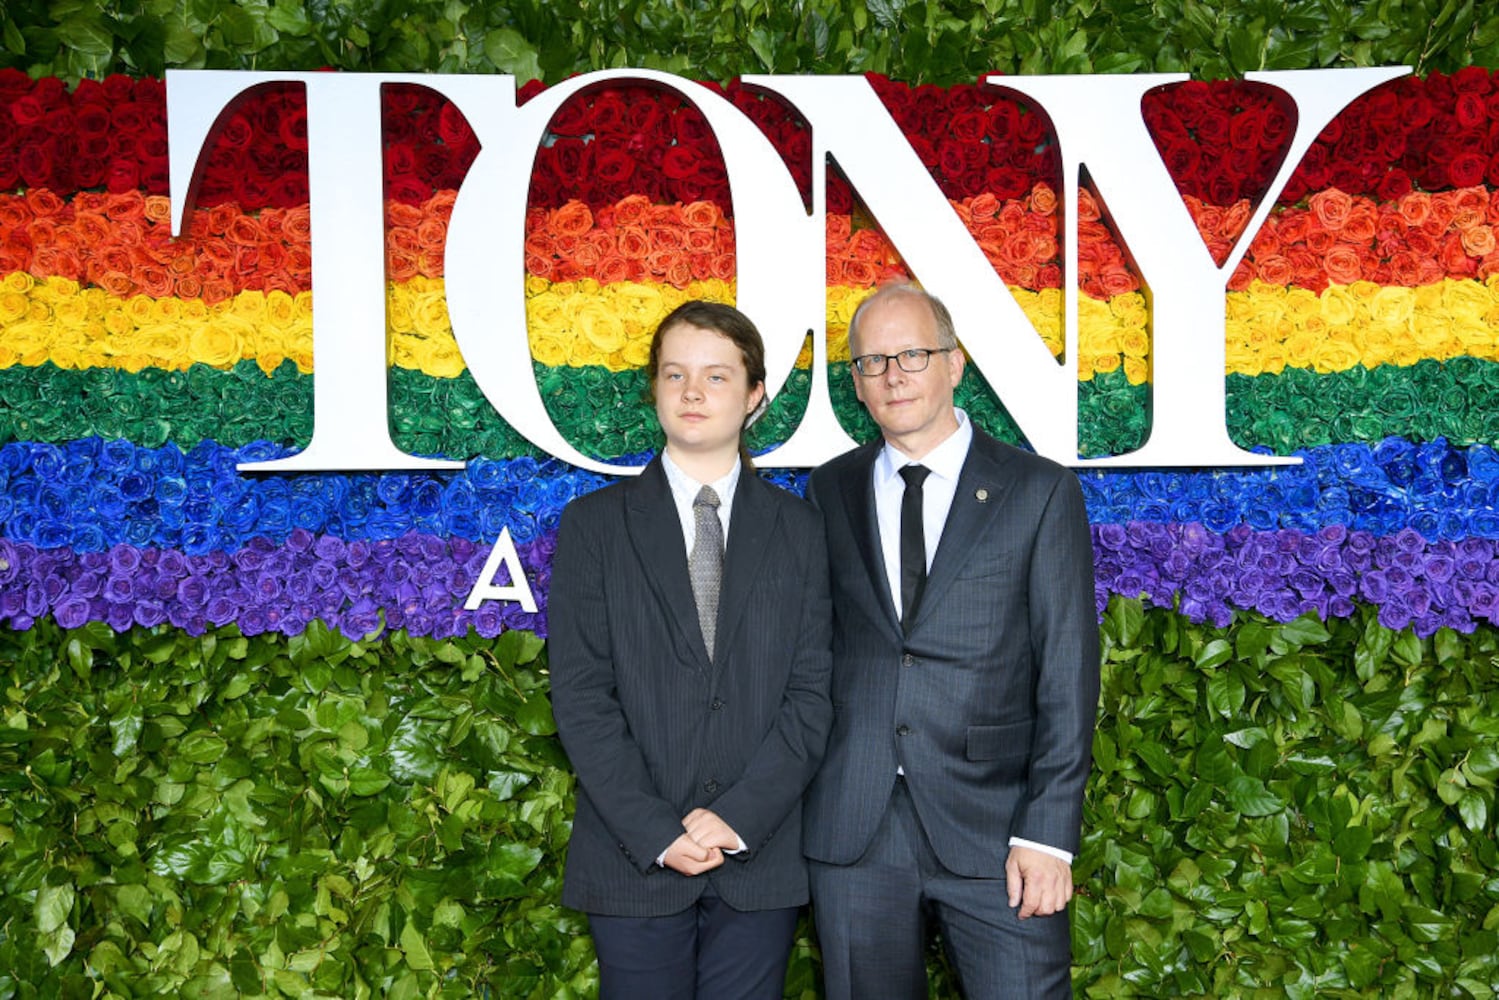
912,544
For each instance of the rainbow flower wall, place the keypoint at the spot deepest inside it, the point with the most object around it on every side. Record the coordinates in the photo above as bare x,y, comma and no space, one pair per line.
137,370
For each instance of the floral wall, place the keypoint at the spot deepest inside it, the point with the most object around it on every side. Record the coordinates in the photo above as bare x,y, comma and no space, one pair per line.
139,369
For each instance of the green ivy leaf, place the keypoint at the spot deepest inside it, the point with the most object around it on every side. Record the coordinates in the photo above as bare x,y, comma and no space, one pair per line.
1249,796
53,904
511,53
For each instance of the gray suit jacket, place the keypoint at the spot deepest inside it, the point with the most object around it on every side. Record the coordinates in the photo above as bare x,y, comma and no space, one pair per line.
989,703
653,728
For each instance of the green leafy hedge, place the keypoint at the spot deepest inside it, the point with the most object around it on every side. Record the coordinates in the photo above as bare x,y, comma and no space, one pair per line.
919,41
1275,810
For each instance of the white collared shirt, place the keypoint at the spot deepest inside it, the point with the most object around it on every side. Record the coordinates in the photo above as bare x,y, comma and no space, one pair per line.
684,490
946,463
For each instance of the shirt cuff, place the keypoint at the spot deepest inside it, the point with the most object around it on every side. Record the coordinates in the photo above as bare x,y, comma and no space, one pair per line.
1055,852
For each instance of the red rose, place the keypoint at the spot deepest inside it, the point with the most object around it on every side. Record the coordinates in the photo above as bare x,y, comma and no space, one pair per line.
1471,110
1472,80
572,118
1467,168
292,128
1182,160
1007,183
969,126
1395,183
1004,121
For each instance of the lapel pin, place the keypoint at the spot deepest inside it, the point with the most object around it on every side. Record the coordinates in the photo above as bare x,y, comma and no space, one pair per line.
981,495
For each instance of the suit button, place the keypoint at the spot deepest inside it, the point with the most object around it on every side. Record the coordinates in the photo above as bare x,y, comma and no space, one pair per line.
716,704
907,660
710,786
902,730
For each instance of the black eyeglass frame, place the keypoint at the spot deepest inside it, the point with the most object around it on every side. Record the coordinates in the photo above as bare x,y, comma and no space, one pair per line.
912,354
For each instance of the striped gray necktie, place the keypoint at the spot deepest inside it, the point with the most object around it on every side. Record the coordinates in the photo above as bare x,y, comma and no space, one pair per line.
705,565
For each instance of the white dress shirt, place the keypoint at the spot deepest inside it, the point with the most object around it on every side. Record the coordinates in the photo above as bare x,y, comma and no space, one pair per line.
684,491
945,462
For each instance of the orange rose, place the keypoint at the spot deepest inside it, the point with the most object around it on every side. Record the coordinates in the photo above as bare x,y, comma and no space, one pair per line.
1235,218
633,242
400,213
403,239
154,280
1343,264
296,224
92,230
1087,208
1319,241
724,266
189,287
1455,259
668,237
158,209
868,244
587,256
432,233
837,228
1240,279
701,214
700,240
859,273
614,268
679,273
984,205
572,219
538,265
400,264
630,211
1415,207
216,290
1117,280
1478,241
1043,199
1331,208
44,204
1273,269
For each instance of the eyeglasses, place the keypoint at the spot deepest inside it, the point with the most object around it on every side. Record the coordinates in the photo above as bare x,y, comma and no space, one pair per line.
911,360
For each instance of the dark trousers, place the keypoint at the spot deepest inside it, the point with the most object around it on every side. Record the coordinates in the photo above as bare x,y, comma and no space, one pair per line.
709,951
872,923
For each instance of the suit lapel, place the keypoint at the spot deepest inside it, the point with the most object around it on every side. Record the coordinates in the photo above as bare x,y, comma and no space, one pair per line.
752,522
982,489
656,535
858,501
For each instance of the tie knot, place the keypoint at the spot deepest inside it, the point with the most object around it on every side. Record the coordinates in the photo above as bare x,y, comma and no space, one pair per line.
706,498
914,475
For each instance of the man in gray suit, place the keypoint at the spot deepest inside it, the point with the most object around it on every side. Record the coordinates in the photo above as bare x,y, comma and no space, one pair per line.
965,684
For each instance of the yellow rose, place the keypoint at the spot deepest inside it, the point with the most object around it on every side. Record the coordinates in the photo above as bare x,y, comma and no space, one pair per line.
18,282
637,352
429,315
118,324
549,349
1104,363
29,342
214,343
1301,303
1136,370
13,306
595,323
249,305
440,357
1338,307
397,315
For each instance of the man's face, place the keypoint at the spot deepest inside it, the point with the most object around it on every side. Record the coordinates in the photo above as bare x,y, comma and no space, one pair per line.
913,409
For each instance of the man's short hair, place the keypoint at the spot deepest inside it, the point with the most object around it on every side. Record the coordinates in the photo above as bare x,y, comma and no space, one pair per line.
947,335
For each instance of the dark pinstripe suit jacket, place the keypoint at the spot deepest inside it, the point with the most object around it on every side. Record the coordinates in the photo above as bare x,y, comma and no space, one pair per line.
989,702
653,728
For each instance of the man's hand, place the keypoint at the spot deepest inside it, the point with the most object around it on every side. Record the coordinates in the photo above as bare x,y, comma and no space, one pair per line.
1038,883
705,827
687,856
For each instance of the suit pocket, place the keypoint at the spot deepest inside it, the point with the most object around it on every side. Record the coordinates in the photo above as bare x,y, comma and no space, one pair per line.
999,742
